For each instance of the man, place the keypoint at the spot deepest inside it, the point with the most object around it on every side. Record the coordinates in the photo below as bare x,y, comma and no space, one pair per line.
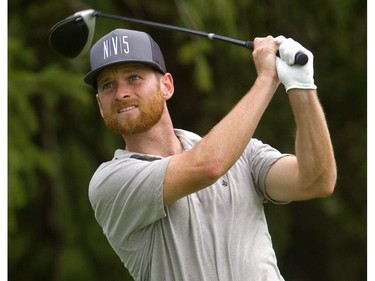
175,206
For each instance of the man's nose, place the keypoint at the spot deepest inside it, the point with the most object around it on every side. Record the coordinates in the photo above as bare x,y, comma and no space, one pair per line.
122,91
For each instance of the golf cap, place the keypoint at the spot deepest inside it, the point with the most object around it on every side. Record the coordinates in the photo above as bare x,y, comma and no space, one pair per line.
123,46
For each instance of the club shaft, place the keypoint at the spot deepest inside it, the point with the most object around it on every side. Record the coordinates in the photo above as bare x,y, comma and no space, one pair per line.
211,36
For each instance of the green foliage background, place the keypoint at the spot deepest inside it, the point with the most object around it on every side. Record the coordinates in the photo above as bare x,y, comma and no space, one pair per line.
56,138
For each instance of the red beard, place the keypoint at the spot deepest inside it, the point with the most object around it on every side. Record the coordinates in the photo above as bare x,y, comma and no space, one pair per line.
149,115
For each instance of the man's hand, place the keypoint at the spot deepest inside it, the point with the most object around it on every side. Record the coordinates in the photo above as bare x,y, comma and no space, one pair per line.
264,57
294,76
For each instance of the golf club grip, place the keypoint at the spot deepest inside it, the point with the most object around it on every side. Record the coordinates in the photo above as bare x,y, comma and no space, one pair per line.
299,59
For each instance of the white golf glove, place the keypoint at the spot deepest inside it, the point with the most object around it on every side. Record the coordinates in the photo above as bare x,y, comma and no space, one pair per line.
294,76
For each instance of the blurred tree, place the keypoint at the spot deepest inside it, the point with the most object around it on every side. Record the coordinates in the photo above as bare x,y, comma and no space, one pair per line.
57,139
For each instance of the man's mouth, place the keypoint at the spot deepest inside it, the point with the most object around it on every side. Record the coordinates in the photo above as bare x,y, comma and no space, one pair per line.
125,109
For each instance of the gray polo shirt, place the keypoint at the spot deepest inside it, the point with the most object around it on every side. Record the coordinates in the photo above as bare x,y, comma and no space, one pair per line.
218,233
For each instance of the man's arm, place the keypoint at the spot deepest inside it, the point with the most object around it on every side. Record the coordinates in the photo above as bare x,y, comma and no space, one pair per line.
312,173
213,156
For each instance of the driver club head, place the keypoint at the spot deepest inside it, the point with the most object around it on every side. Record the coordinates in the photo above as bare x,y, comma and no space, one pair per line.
73,36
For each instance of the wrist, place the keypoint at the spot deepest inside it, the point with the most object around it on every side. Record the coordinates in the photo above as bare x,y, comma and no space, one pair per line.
295,86
267,81
302,96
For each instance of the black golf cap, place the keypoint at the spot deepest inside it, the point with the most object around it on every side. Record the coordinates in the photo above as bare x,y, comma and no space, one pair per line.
123,46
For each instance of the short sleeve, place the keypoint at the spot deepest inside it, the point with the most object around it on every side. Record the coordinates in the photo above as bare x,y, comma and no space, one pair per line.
127,195
261,157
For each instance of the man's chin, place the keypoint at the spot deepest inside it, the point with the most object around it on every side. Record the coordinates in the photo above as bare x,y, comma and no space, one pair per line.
126,130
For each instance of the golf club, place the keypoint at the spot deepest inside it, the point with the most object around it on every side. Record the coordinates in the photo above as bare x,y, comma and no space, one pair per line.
73,36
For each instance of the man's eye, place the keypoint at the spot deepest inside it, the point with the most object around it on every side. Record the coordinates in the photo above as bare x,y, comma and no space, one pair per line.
134,78
107,86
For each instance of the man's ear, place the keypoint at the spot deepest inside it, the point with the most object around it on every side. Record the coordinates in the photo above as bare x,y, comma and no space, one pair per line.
99,104
167,86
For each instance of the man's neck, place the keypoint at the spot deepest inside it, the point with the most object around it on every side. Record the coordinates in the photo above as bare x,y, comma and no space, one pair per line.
159,141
